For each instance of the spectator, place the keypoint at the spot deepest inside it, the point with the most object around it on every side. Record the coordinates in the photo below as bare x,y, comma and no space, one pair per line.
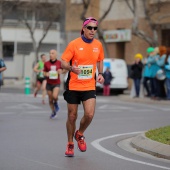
106,86
167,73
136,73
151,62
2,68
160,61
146,77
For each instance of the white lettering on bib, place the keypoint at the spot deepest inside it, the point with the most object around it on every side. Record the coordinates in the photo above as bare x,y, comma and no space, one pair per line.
86,72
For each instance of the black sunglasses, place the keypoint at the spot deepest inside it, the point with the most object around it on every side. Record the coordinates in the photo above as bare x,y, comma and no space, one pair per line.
90,28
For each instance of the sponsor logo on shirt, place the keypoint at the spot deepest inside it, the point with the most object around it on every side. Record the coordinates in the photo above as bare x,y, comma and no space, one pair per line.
95,49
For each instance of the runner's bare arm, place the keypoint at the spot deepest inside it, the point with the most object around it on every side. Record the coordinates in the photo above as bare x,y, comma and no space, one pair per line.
2,69
62,71
65,65
36,68
100,66
46,74
100,78
73,68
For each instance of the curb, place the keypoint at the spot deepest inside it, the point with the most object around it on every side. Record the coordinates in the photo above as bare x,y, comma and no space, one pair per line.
144,144
145,100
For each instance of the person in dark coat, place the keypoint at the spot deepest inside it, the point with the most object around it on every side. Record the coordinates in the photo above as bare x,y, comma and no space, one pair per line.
106,86
136,72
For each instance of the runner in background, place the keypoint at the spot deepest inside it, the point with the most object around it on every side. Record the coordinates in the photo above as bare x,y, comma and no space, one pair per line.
41,80
52,71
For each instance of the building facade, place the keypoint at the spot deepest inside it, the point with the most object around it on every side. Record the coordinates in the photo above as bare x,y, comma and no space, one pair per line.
18,49
120,40
117,25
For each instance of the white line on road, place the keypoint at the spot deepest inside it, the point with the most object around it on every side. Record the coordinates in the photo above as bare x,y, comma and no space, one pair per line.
97,145
103,106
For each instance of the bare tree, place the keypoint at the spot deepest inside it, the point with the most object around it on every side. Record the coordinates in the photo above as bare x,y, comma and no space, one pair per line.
86,4
36,14
149,12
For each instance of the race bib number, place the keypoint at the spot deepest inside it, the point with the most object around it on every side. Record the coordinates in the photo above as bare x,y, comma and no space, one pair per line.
53,75
86,72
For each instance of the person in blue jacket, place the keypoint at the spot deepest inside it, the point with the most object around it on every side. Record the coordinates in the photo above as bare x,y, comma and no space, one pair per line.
150,70
167,73
146,73
160,83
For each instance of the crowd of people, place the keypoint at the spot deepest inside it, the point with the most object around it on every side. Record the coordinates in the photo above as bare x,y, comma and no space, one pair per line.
153,72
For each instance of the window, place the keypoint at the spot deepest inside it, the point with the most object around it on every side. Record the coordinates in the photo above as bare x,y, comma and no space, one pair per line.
8,50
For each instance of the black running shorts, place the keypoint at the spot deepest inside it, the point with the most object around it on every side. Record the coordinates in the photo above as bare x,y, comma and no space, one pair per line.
50,87
75,97
40,80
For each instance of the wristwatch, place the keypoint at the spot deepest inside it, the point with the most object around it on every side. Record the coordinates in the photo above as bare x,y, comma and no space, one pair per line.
100,73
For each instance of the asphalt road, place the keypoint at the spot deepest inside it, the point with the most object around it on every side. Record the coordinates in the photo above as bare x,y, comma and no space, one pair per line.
29,140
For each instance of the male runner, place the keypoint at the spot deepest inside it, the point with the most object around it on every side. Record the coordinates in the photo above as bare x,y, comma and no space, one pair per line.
41,80
81,57
52,71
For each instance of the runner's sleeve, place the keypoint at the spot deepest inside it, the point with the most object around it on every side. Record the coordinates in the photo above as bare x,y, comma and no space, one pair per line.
101,55
68,53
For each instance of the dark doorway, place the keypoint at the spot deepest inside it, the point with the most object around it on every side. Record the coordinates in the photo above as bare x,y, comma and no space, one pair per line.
166,37
120,50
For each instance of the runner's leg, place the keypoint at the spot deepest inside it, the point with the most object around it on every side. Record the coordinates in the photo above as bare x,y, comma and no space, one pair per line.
89,110
50,97
71,120
44,89
55,93
38,86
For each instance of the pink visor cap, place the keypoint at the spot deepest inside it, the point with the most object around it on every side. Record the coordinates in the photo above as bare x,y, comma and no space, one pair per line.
88,20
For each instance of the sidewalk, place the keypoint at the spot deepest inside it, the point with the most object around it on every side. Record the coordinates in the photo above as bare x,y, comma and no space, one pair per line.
141,142
144,144
126,97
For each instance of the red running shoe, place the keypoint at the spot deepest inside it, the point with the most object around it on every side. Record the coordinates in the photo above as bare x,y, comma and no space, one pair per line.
80,141
70,150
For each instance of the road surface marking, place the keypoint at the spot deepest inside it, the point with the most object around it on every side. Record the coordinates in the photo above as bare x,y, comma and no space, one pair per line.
23,106
97,145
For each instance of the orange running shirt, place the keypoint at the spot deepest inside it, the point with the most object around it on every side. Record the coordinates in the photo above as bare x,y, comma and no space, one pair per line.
84,55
